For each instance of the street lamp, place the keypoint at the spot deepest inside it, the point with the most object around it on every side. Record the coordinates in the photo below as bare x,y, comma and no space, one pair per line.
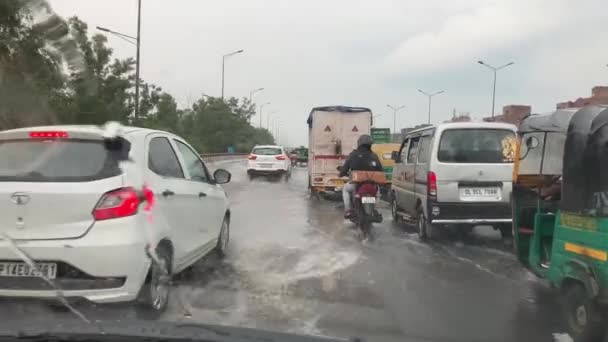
268,119
494,69
430,96
253,92
261,109
395,110
137,56
277,130
223,62
374,117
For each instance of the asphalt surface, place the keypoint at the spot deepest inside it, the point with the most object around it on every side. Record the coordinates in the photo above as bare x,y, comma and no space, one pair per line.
294,265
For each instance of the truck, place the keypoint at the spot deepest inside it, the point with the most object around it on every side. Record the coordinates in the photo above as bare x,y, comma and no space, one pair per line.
332,135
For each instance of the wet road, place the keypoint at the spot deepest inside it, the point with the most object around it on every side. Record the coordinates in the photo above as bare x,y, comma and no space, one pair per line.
295,265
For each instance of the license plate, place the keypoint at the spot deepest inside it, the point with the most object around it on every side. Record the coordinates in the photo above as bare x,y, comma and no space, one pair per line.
366,200
480,194
265,166
336,182
21,269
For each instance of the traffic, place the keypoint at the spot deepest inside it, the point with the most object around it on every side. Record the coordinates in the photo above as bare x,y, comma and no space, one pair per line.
240,171
100,207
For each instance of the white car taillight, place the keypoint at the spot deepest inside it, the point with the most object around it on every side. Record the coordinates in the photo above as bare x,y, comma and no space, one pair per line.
117,203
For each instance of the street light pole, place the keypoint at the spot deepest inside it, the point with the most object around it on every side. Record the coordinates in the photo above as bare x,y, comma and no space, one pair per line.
395,110
261,109
268,120
253,92
137,61
494,69
223,68
137,44
430,97
374,117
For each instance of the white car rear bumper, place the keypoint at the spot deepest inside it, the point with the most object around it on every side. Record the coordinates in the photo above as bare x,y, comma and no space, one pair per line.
266,167
108,264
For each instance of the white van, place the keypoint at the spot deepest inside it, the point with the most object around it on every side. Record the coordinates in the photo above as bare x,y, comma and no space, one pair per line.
456,174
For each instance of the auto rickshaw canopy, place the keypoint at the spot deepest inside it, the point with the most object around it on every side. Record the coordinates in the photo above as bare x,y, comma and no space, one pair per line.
570,146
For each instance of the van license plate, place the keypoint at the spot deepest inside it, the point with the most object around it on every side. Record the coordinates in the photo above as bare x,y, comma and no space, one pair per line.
480,194
21,269
368,200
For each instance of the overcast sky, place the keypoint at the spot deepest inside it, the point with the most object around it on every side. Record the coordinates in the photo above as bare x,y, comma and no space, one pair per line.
364,53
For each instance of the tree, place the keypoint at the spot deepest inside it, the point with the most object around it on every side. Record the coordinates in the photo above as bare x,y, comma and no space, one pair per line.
30,74
53,72
101,89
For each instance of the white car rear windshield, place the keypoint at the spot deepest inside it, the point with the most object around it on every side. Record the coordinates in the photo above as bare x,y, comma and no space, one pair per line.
267,151
55,161
485,146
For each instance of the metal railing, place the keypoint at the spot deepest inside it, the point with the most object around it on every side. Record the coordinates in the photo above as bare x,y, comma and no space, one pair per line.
216,157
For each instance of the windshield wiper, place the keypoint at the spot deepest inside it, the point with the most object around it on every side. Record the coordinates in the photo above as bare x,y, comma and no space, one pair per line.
58,291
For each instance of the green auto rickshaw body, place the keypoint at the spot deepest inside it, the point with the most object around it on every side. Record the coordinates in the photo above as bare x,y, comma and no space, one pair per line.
560,200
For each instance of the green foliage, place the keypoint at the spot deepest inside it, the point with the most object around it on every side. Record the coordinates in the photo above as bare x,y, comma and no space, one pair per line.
56,72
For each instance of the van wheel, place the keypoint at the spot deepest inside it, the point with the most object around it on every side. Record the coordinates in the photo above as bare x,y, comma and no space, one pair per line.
395,210
583,319
421,226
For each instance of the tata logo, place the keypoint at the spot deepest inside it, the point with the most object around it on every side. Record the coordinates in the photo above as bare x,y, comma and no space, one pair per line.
20,198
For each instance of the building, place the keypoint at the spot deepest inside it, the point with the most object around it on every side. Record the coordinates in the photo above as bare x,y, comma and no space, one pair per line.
512,114
398,137
599,95
460,118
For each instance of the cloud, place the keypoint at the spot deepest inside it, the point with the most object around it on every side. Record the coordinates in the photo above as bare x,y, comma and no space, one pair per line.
364,53
467,37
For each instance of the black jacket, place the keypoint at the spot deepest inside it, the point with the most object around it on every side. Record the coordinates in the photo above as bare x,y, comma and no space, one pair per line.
361,159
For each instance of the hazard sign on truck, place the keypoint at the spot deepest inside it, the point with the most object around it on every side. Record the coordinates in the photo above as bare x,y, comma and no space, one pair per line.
332,135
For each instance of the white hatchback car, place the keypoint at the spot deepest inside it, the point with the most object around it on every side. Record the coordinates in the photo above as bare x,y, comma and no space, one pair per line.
268,160
108,219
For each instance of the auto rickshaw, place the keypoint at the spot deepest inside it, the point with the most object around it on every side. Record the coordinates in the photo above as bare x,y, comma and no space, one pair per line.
560,211
384,153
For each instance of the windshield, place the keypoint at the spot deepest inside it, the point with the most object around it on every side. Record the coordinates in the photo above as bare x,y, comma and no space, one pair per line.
267,151
186,173
481,146
55,161
546,157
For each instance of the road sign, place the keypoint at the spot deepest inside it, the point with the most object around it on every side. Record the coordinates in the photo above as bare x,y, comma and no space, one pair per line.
381,135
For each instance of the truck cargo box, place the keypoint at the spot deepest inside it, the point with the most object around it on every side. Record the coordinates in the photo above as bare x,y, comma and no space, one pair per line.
333,133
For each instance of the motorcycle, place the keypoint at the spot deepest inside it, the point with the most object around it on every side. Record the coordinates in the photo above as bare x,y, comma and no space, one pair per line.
364,201
364,208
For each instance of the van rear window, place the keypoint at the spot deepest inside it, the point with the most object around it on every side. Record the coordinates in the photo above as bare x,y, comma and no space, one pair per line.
55,161
481,146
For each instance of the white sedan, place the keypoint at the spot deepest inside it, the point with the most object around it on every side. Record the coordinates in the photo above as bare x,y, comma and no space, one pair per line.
105,218
268,160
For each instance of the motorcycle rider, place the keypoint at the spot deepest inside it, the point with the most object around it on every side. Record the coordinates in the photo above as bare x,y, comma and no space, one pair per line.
361,159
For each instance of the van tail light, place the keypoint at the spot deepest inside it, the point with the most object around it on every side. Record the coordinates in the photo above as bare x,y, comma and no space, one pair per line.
48,134
280,157
117,203
252,157
432,183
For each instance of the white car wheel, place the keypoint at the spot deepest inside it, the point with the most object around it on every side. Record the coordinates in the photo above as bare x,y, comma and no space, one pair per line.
222,241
